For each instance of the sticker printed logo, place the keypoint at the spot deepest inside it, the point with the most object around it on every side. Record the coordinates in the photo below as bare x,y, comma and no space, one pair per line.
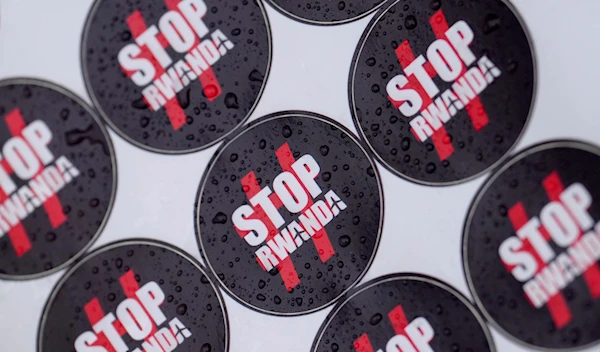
27,155
326,12
410,337
129,305
56,178
547,237
406,313
139,315
295,188
434,99
259,205
175,67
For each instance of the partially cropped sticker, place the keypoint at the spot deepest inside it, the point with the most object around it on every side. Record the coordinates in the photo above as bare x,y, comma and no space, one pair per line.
57,178
135,295
442,90
290,213
532,246
176,76
406,313
326,12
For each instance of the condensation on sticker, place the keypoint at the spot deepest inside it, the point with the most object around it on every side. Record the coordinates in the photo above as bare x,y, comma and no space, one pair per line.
442,90
531,246
403,312
326,12
57,178
135,295
176,76
290,213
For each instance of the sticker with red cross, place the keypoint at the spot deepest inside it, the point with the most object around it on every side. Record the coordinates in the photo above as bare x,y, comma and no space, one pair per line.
531,246
135,295
289,213
326,12
176,76
403,313
57,178
442,90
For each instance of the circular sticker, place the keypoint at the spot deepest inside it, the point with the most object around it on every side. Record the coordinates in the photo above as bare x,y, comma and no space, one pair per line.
531,246
289,213
326,12
403,312
176,76
57,178
442,90
135,295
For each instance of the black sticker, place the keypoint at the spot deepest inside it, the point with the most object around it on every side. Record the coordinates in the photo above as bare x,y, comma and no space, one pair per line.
326,12
290,213
135,295
441,90
531,246
403,312
57,178
176,76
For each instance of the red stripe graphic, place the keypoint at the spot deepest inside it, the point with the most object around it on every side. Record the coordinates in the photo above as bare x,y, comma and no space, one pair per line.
557,305
321,240
94,312
399,323
554,187
17,234
440,138
475,109
210,84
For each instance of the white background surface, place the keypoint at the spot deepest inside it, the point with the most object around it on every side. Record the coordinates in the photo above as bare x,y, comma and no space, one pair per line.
423,225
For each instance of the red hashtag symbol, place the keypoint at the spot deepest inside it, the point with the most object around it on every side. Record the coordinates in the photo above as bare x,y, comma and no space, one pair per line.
94,311
557,306
320,239
209,81
475,109
399,323
17,234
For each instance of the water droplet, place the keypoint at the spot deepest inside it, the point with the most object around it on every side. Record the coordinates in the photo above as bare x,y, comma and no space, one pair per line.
181,309
375,319
410,22
371,61
231,101
430,168
286,131
324,150
492,23
256,76
344,241
220,218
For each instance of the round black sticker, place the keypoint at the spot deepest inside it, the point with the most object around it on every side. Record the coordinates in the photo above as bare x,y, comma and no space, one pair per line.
442,90
289,213
135,295
326,12
57,178
176,76
531,246
403,312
